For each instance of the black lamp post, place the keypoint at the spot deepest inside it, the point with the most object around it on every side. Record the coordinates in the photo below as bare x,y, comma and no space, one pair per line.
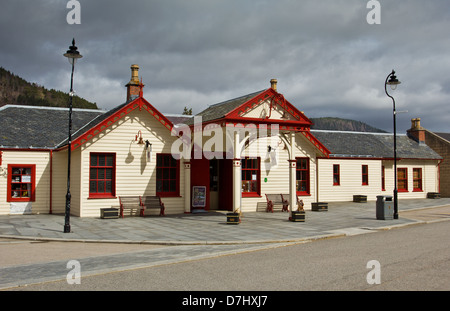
72,54
392,81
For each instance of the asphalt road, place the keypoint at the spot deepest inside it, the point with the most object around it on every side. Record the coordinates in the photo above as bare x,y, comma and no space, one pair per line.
411,258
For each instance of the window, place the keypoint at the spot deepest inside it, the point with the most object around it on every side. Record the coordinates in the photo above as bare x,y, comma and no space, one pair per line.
302,176
402,179
417,179
167,175
102,175
250,176
336,175
365,175
383,183
21,182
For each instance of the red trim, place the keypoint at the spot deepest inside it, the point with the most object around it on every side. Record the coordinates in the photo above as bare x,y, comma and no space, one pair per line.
103,195
256,193
366,174
419,179
32,197
338,174
275,97
404,179
308,177
175,193
316,143
139,103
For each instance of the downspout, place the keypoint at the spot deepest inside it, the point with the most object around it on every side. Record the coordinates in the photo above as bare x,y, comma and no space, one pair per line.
317,179
51,182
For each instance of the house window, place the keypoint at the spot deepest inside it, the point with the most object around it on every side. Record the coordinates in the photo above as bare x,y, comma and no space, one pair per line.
365,175
102,175
402,179
302,172
417,179
250,176
383,183
21,182
336,175
167,175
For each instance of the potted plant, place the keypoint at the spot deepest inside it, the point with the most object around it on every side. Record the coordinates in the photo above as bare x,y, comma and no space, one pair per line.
299,214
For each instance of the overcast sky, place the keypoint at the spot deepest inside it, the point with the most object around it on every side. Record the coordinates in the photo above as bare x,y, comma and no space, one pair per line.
329,61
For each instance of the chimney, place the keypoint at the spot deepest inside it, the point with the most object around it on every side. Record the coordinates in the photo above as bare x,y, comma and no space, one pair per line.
134,87
273,84
417,132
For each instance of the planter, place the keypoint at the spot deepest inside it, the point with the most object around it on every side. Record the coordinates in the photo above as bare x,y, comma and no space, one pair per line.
233,218
433,195
360,198
109,213
319,207
298,216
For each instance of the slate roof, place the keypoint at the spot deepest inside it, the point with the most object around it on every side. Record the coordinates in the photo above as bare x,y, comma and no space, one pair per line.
40,127
372,145
218,111
445,136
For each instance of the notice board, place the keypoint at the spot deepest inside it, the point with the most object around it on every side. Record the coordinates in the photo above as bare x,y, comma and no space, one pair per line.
198,196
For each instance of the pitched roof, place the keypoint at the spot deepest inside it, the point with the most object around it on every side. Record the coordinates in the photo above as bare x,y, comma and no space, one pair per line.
445,136
40,127
372,145
219,110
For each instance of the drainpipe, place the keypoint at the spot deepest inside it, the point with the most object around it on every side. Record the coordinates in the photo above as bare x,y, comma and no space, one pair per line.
51,182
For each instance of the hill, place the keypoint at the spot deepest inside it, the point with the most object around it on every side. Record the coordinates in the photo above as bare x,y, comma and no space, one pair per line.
16,91
338,124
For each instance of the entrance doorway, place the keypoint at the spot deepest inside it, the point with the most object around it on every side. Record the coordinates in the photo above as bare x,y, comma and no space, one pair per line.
216,176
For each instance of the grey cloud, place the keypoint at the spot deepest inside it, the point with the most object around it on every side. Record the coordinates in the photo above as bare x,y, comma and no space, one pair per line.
328,60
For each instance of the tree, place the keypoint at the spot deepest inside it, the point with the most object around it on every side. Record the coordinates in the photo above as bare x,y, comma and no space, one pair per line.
187,111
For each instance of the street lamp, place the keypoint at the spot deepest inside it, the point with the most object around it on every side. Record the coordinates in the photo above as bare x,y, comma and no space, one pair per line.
72,54
392,81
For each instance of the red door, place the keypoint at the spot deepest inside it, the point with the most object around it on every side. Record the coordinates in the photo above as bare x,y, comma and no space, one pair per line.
200,177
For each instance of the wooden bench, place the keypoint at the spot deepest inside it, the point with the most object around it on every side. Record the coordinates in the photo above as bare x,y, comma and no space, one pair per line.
130,203
285,197
149,202
273,199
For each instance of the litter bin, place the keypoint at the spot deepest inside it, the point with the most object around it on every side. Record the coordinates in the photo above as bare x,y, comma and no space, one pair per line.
385,207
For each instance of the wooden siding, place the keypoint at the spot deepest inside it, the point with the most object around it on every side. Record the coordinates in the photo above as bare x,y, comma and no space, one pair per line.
42,161
350,179
278,176
134,174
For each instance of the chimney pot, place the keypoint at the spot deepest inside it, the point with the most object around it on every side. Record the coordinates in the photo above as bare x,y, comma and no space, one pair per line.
417,132
134,87
273,84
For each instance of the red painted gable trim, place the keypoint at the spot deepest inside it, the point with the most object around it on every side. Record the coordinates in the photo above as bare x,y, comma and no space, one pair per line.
139,103
276,98
316,143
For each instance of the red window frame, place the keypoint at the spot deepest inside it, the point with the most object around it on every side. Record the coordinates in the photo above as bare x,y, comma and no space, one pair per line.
21,183
250,167
383,181
417,180
402,182
167,175
365,174
302,176
336,175
102,171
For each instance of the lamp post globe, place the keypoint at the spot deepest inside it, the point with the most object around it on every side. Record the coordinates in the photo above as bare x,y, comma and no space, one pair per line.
72,54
